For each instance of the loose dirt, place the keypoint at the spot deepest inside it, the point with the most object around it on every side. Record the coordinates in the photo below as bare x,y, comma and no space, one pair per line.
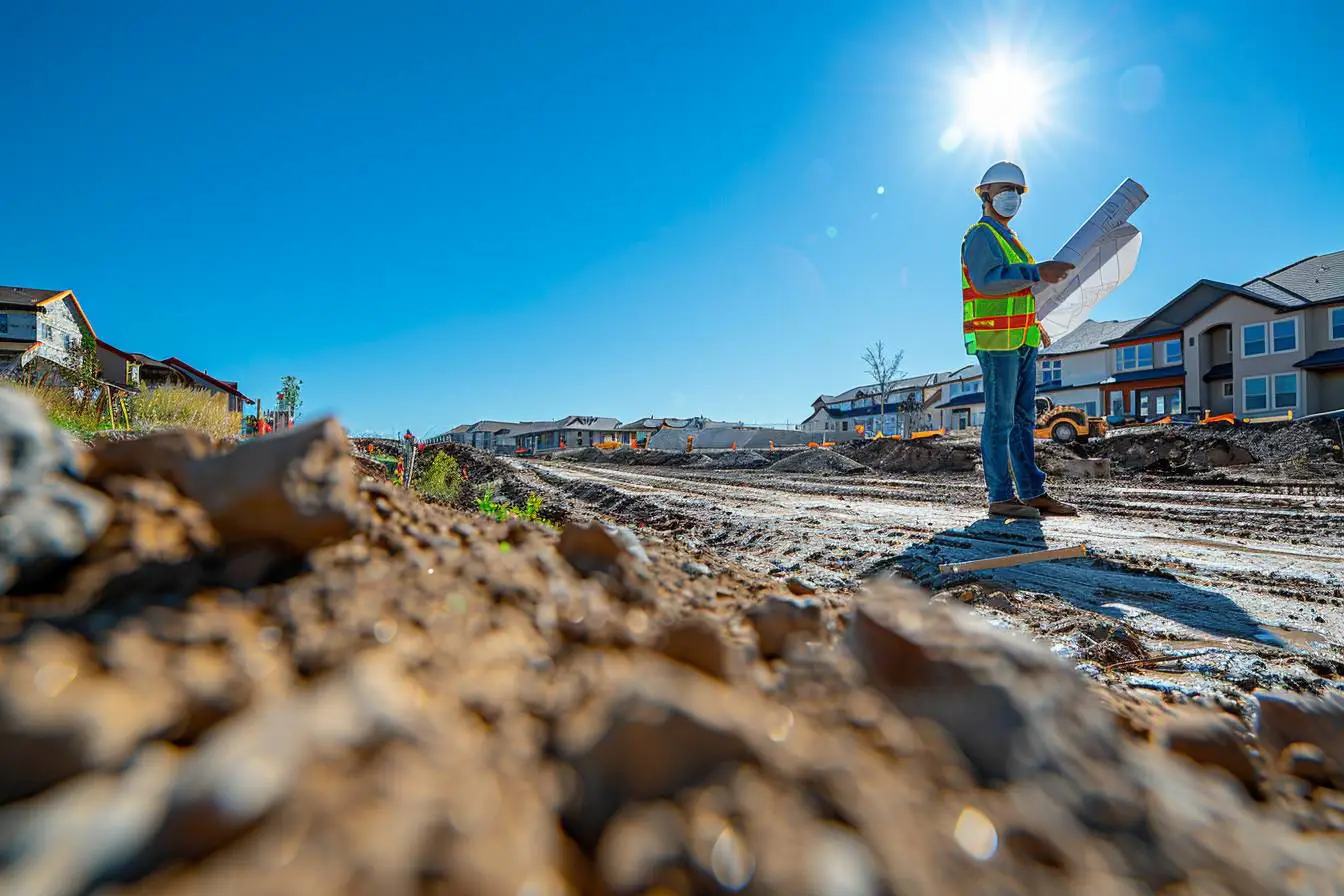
265,675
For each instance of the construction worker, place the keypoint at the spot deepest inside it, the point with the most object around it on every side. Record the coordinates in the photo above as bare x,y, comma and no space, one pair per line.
1001,330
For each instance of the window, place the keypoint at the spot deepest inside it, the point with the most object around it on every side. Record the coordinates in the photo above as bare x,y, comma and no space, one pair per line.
1227,390
1052,373
1089,408
4,323
1172,356
1255,393
1117,404
1134,357
1284,334
1229,340
1285,391
1336,323
1253,340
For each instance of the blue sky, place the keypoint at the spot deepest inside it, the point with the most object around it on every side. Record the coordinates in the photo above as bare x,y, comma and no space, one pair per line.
434,213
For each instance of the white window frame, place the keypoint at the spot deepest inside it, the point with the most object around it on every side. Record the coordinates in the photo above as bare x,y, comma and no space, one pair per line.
1166,355
1297,335
1228,391
1245,393
1330,316
1241,348
1274,392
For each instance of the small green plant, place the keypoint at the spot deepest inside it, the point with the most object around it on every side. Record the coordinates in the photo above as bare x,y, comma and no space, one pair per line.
502,510
440,478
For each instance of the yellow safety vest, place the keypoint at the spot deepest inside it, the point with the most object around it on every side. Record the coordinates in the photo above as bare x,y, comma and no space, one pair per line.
998,323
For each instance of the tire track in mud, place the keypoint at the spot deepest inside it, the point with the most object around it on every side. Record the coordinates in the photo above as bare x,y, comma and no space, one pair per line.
1223,560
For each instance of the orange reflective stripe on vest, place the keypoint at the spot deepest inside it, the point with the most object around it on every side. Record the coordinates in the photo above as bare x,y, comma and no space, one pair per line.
1000,323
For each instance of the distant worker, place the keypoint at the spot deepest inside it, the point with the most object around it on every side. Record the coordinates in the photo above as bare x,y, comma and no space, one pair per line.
1001,330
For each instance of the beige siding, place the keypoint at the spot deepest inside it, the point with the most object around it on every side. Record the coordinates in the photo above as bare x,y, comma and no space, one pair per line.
1330,390
1239,313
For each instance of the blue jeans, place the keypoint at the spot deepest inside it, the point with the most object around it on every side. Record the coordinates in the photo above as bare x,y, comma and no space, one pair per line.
1008,436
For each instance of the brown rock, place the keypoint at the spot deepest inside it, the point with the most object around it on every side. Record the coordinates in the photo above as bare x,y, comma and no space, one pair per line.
1306,761
1210,738
592,547
298,490
778,620
697,642
164,455
1287,718
643,748
800,586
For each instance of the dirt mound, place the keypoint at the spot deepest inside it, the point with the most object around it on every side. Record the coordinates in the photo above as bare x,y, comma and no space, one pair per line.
822,461
1170,451
1184,450
508,479
736,460
915,456
261,675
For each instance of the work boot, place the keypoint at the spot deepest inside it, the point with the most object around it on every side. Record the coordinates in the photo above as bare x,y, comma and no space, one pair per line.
1050,507
1015,509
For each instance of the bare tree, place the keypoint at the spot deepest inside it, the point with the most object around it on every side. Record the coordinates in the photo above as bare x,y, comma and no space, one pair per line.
884,369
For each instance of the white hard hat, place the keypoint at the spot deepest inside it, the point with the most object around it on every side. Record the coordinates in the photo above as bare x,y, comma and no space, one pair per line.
1003,173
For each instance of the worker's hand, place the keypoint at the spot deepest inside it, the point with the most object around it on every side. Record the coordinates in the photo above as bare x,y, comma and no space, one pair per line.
1045,337
1054,271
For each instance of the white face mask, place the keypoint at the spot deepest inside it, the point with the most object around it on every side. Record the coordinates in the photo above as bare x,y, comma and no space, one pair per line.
1007,203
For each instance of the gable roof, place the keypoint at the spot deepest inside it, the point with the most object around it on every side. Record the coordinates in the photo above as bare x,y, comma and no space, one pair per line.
26,297
1090,335
1319,278
1313,280
183,366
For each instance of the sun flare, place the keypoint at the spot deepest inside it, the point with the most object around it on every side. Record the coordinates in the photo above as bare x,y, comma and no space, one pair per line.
999,102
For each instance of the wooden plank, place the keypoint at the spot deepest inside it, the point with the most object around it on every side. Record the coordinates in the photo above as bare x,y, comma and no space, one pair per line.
1015,560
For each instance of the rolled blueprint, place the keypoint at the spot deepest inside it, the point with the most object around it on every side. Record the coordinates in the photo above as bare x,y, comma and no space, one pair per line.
1103,252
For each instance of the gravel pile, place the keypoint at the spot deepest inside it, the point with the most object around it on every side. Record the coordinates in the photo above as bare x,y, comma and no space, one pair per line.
821,461
248,671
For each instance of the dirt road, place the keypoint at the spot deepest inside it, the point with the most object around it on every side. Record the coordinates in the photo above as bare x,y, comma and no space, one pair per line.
1247,581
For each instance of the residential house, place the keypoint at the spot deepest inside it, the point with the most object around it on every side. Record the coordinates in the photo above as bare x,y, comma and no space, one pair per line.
964,404
568,432
43,327
1071,371
484,434
864,406
1271,346
238,402
134,371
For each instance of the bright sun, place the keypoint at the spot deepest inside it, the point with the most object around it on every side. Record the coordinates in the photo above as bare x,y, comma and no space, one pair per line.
1000,103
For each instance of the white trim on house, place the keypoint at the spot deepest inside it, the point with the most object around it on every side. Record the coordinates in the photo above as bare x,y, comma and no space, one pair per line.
1330,315
1296,320
1274,391
1228,391
1246,393
1241,345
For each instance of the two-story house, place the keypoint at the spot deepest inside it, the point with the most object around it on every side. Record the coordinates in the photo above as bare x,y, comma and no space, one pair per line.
964,404
41,325
864,406
1071,371
1271,346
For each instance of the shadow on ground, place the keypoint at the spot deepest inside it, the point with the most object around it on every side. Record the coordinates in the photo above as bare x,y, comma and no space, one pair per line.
1094,584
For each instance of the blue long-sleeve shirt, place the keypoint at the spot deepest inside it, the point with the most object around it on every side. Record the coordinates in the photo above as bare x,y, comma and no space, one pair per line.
988,268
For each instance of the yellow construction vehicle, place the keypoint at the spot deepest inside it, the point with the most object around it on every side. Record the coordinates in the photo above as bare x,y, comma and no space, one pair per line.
1066,423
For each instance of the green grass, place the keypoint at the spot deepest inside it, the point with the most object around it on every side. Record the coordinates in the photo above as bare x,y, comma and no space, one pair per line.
440,478
503,510
81,418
